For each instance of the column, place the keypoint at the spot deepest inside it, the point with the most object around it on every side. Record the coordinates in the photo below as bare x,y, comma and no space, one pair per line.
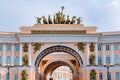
21,53
96,53
4,54
88,54
112,54
12,54
104,55
29,54
75,76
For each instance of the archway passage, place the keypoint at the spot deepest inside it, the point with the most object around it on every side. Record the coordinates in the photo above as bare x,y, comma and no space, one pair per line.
69,57
58,48
49,70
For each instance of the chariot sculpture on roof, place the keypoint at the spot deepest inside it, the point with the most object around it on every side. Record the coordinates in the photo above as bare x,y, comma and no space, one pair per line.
59,18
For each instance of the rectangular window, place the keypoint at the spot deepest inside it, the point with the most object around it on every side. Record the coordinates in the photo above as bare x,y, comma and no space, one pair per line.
110,75
99,60
101,76
116,47
0,60
17,60
107,59
0,47
99,48
0,76
8,48
117,75
16,77
7,76
17,48
116,59
8,60
107,47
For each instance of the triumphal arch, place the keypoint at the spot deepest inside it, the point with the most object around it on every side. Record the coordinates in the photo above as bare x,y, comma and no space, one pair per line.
53,38
37,51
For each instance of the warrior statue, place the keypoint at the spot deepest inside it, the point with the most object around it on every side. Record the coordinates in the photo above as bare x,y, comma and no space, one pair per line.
55,20
68,20
79,20
49,20
38,20
44,20
73,20
59,17
63,19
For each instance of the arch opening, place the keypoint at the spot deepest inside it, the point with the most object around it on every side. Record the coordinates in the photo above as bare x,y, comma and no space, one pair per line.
58,48
55,71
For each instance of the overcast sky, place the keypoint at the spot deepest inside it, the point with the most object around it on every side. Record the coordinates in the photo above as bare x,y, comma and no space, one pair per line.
104,14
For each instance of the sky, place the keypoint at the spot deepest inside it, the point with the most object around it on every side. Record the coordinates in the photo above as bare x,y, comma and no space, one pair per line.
104,14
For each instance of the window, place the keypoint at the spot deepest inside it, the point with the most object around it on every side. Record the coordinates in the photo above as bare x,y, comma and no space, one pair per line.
101,76
99,60
0,47
16,77
17,60
107,59
109,75
0,76
116,47
99,48
107,47
8,48
8,60
116,59
17,48
0,60
117,75
7,76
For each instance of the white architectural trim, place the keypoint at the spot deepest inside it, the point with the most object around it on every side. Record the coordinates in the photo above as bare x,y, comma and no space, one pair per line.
19,68
58,37
33,63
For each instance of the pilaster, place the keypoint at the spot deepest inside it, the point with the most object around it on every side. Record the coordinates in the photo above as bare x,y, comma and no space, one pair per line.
12,54
104,54
4,54
88,54
21,53
96,53
112,54
29,54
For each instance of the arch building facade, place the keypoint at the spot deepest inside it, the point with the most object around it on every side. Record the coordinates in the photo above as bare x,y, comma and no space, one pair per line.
84,49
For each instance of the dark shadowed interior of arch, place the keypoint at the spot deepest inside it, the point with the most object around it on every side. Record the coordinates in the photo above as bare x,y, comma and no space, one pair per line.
58,49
